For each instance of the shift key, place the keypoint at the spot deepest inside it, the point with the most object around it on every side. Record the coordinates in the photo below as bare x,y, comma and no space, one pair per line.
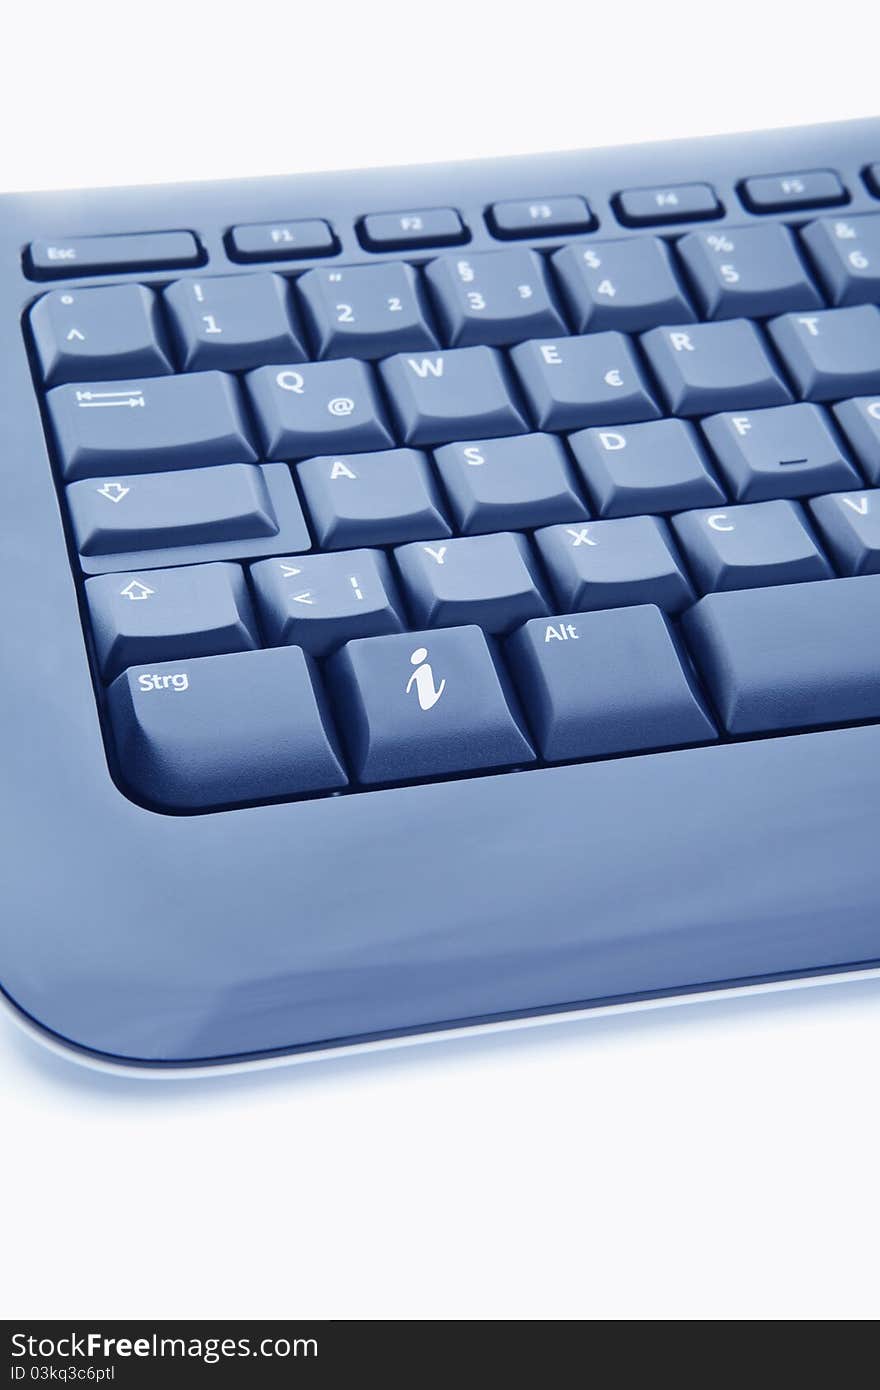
144,426
795,656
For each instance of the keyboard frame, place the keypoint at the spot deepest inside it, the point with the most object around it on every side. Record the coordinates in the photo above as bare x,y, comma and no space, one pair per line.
168,941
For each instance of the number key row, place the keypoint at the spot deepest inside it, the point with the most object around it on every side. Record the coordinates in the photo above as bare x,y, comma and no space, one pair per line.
496,298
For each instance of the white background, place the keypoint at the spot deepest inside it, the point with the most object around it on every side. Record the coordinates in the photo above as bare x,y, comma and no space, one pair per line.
708,1161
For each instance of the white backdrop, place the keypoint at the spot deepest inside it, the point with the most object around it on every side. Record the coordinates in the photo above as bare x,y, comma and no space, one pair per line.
706,1161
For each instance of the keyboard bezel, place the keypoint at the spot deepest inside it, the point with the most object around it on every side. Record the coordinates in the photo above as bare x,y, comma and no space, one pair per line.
290,927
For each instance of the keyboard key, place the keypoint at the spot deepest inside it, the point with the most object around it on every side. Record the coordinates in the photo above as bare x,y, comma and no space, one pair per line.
612,682
660,466
365,311
113,331
714,366
320,601
684,202
613,564
164,615
860,422
106,428
88,255
282,241
372,499
814,188
489,580
507,484
788,451
221,730
846,253
593,380
233,322
831,353
630,285
195,506
850,527
425,704
399,231
540,217
800,655
494,297
750,546
462,393
317,406
748,271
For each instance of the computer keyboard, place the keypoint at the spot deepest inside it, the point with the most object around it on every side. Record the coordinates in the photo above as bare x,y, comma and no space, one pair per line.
447,475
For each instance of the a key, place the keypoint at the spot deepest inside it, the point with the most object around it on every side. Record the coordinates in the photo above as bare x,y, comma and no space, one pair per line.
317,406
112,331
281,241
832,352
162,615
714,366
683,202
459,394
750,546
594,380
372,499
860,422
105,428
792,657
507,484
540,217
233,322
787,451
630,285
401,231
425,704
220,730
87,255
609,682
614,564
850,527
320,601
846,253
193,506
365,311
659,466
812,188
490,580
748,271
493,297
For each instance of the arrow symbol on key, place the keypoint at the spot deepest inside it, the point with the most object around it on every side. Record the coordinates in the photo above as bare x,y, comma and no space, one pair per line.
288,571
114,492
305,597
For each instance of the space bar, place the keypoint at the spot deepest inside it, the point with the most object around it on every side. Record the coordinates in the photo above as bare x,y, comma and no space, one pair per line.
797,656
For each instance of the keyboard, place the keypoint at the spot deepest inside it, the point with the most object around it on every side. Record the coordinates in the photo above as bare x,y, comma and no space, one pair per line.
440,596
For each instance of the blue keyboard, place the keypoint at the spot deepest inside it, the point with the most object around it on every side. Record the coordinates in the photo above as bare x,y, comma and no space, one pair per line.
333,505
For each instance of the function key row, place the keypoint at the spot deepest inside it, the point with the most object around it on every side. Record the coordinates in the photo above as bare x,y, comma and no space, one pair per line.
410,230
110,428
491,298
